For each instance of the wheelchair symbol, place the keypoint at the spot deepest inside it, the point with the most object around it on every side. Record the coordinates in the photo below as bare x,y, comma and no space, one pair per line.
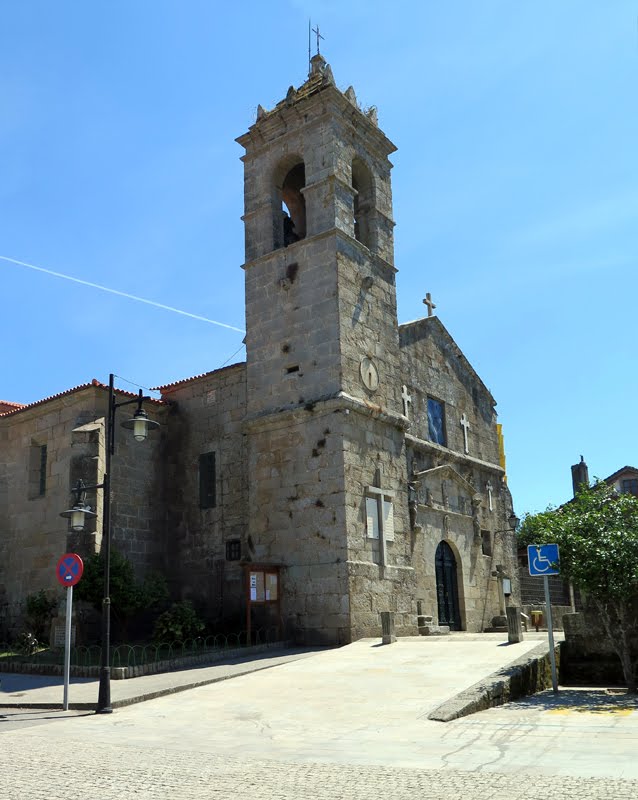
543,559
541,563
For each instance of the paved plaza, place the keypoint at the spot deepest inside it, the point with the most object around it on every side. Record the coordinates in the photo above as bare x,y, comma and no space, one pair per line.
348,723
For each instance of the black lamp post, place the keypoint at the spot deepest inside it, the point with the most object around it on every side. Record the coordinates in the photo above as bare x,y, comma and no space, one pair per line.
140,424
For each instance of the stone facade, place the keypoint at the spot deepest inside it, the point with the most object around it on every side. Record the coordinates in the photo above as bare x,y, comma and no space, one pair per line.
206,416
45,449
358,459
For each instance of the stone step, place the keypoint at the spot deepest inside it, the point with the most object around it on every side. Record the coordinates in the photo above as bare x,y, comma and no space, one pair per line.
434,630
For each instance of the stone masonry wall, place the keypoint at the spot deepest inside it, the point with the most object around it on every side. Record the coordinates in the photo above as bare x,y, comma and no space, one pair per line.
291,360
34,535
297,519
370,444
206,416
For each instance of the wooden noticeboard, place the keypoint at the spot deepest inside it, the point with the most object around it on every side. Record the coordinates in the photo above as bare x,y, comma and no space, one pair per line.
263,587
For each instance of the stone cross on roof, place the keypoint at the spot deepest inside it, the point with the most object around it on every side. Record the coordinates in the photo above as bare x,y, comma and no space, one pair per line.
430,304
319,36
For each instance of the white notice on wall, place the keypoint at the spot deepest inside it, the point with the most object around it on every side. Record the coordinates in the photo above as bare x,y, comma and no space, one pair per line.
59,634
388,521
253,586
372,518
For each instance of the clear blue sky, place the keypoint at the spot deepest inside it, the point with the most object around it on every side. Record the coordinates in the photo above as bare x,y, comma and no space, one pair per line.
515,194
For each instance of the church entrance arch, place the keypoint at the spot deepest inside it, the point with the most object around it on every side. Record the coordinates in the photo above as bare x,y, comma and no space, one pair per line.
447,590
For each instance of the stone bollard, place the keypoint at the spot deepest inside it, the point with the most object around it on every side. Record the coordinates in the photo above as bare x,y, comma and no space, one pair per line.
514,627
387,627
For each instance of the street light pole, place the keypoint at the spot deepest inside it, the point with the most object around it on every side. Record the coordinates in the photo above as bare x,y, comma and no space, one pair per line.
104,693
140,424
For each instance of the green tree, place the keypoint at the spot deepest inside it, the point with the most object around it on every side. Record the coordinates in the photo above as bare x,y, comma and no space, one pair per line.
597,534
129,597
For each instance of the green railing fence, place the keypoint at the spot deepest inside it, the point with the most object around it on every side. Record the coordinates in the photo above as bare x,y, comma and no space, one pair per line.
135,655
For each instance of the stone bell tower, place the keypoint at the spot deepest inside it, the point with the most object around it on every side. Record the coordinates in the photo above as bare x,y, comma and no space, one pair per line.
324,416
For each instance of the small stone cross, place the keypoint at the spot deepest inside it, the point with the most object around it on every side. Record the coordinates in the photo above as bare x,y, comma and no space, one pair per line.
407,400
490,489
465,424
430,304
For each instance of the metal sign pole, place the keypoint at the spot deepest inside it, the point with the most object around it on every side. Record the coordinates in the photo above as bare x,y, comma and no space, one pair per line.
550,633
67,647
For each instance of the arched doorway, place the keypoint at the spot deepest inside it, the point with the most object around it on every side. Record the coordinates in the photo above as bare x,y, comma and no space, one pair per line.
447,590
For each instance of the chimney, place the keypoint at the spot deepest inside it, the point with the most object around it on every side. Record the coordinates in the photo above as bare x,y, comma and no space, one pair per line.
580,476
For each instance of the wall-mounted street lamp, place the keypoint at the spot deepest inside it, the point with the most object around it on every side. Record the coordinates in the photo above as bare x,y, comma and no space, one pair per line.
504,581
141,425
80,511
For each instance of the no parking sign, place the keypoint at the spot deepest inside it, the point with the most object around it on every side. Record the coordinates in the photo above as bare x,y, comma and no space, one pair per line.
68,572
69,569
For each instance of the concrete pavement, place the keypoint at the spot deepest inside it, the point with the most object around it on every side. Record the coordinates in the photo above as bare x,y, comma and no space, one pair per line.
341,723
46,691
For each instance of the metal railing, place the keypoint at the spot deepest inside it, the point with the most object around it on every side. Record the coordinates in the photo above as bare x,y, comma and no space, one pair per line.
136,655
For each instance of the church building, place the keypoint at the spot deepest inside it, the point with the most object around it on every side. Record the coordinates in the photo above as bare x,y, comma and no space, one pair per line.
349,466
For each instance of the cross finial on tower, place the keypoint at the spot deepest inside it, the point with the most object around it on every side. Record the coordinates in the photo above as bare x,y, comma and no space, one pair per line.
319,36
430,304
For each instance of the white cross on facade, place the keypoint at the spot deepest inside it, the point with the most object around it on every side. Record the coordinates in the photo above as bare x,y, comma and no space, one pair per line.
430,304
490,489
465,424
380,515
407,400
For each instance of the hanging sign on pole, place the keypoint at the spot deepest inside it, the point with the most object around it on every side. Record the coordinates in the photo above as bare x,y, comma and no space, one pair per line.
544,560
68,572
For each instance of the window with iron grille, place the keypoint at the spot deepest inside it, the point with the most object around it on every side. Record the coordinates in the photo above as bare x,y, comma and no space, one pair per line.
37,471
207,481
233,550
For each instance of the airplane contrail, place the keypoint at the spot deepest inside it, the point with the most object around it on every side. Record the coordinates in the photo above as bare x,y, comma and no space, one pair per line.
121,294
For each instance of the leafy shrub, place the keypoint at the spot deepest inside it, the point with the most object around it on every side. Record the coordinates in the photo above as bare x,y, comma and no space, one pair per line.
27,644
130,598
40,609
179,623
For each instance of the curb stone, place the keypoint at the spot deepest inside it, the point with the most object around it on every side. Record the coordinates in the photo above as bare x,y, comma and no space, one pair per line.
527,675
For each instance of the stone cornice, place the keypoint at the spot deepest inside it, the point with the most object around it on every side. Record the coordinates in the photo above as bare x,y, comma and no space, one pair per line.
422,444
325,405
332,103
288,253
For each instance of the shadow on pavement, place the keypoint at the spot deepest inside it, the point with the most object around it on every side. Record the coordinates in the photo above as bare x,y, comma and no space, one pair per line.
591,701
12,683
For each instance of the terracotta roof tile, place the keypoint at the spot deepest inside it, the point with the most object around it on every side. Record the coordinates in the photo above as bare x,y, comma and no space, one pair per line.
74,389
183,381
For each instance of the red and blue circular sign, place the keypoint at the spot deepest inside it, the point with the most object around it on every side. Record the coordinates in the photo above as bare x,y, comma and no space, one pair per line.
69,570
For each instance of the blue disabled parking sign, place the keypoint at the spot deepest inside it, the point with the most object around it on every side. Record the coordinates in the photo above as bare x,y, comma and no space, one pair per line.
543,559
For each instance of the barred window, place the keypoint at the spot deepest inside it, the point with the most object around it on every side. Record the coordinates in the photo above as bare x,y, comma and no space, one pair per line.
207,481
233,550
37,470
